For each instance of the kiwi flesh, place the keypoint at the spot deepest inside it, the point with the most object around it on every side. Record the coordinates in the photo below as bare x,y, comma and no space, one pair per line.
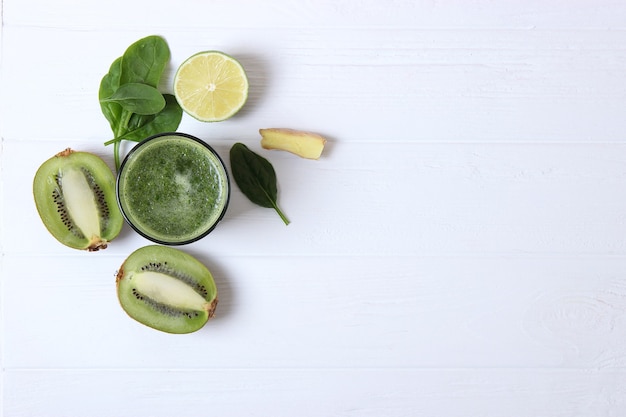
166,289
75,196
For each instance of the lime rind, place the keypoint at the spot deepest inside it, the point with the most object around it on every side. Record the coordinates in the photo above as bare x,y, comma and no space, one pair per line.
200,86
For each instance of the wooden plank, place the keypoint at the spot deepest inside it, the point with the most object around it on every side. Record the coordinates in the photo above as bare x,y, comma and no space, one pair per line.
396,199
325,311
315,392
309,15
353,85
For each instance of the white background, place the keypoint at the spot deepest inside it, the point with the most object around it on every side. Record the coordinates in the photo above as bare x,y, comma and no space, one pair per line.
459,249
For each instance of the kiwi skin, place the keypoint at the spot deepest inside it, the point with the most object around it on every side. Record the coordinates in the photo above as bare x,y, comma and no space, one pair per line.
166,289
50,198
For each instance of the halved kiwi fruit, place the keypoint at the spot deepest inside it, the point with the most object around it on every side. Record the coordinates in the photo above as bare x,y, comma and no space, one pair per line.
75,197
166,289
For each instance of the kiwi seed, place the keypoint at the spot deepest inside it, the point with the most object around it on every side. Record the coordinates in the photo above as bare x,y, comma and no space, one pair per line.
75,197
166,289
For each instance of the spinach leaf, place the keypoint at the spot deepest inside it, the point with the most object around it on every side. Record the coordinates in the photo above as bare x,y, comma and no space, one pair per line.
129,95
144,61
255,177
138,98
109,84
167,120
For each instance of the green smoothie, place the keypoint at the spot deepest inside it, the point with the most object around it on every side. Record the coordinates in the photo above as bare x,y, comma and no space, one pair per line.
173,189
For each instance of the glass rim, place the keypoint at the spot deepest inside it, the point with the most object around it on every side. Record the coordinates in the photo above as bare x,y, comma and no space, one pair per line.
126,216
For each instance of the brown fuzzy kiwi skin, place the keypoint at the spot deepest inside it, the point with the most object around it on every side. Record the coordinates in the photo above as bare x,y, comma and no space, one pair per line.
212,308
65,152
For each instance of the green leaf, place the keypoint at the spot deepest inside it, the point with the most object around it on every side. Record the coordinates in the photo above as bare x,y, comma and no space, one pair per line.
109,84
138,98
255,177
144,61
167,120
129,98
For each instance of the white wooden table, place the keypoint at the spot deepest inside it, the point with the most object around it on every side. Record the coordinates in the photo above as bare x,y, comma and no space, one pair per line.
459,250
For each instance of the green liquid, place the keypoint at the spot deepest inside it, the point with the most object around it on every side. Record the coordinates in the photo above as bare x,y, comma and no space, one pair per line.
173,189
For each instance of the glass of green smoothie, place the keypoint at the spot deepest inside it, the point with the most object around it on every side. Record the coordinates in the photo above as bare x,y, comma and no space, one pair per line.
173,188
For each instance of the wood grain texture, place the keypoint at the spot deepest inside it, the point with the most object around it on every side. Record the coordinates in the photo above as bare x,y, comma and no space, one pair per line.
405,199
458,250
314,392
346,311
415,85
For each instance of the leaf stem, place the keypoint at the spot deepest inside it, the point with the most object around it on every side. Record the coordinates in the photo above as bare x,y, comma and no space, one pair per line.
281,214
111,142
116,154
121,130
275,206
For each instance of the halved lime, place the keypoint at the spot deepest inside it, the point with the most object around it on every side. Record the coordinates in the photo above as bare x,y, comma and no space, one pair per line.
211,86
